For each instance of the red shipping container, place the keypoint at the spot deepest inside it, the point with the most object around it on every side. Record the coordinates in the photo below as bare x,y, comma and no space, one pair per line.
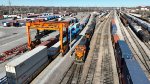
113,21
115,38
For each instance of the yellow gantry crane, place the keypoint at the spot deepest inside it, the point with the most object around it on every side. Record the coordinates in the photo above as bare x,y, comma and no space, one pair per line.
49,25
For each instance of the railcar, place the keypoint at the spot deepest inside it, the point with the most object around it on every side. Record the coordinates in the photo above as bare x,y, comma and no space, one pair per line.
129,69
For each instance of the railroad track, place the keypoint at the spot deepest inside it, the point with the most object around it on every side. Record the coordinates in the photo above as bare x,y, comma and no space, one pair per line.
148,45
74,73
145,59
142,51
106,72
3,80
93,64
106,65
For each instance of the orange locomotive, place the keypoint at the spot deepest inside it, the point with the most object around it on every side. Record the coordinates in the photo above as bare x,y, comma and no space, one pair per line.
82,48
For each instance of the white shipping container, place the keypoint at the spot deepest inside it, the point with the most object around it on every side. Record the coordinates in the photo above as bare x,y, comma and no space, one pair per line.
60,19
30,74
5,24
26,62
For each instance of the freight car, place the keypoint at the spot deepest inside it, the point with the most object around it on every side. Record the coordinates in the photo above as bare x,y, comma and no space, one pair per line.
115,39
124,21
142,35
73,20
82,25
140,22
74,29
132,73
129,70
113,27
123,51
90,30
139,32
83,22
89,33
86,20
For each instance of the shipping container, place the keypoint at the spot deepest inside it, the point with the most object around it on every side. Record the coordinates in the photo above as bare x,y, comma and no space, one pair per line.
132,73
113,21
49,43
24,68
115,39
81,26
6,24
124,50
55,49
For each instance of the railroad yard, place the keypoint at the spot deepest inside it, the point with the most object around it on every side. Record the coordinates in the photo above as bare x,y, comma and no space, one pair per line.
102,47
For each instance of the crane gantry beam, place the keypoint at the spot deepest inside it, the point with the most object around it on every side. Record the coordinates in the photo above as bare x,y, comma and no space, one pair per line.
51,25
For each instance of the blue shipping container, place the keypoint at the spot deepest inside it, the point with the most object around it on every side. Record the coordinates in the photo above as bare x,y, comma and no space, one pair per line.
125,50
133,73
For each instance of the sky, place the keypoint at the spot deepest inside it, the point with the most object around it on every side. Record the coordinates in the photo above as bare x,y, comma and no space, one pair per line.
82,3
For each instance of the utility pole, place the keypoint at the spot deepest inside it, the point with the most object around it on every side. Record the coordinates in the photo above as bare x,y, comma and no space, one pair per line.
52,10
119,11
9,6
